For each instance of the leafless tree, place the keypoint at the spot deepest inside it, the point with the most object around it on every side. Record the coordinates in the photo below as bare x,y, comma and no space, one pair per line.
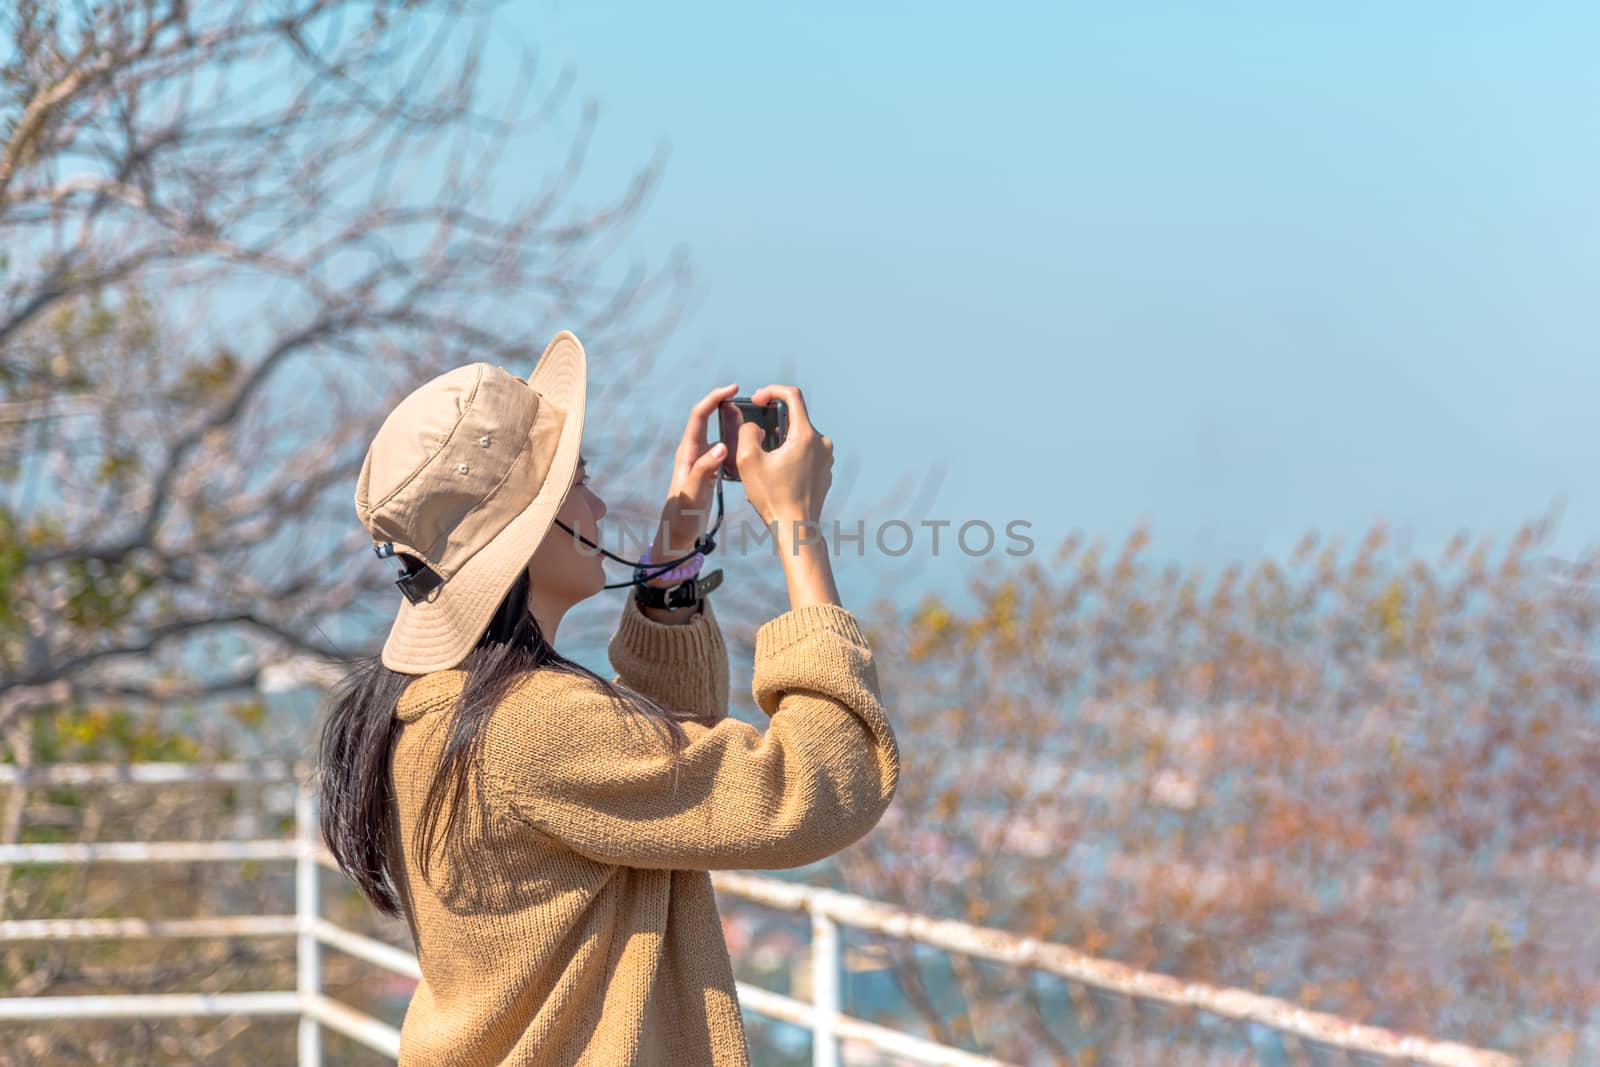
231,236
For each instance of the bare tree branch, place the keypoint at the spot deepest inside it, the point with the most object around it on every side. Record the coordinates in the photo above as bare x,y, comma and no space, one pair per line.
236,235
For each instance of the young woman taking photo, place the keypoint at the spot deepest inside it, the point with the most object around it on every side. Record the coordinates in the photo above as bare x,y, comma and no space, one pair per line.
547,832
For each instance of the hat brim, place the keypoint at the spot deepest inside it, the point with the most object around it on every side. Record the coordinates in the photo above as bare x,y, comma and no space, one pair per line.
436,634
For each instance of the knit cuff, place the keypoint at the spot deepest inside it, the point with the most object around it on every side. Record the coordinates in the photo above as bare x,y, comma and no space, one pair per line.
667,642
684,665
796,624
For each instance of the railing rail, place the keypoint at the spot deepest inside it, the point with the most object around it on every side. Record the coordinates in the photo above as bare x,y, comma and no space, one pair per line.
828,911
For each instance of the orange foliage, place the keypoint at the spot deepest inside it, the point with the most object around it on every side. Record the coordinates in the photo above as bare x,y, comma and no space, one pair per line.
1366,782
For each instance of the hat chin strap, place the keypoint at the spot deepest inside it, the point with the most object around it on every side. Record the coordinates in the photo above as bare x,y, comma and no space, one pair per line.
705,544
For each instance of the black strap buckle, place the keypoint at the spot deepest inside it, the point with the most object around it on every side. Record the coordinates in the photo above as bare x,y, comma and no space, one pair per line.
417,580
417,584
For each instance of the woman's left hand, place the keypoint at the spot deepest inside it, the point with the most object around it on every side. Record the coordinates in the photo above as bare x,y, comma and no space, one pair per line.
694,479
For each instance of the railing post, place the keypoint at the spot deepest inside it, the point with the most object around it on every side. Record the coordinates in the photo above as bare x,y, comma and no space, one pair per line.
309,961
824,987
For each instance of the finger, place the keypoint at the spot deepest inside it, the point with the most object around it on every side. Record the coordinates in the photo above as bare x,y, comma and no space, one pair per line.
694,432
705,468
749,444
789,395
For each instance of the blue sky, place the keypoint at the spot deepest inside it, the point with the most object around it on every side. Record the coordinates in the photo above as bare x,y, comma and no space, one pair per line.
1243,270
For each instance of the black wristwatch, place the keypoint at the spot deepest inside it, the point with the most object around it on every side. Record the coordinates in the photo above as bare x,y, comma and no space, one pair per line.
685,594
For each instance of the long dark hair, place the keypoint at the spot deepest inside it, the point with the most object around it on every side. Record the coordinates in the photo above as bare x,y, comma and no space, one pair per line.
360,730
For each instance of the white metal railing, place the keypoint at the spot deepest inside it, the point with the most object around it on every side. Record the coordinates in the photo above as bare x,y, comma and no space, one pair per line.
828,911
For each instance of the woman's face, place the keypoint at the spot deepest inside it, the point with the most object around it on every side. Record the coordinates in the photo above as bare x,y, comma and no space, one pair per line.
563,570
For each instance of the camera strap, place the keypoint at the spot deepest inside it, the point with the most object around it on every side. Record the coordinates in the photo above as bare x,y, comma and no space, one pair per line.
418,579
704,545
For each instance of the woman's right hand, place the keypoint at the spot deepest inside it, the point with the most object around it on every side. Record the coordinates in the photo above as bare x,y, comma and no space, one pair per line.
789,483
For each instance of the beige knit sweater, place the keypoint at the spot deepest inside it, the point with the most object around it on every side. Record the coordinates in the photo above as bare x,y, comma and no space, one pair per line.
577,925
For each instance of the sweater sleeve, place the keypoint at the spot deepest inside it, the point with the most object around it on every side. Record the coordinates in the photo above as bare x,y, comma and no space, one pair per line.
683,666
600,780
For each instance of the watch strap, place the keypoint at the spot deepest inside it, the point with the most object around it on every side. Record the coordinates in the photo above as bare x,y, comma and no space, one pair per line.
685,594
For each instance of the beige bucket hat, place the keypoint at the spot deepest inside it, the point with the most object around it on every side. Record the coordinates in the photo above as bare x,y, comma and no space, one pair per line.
465,476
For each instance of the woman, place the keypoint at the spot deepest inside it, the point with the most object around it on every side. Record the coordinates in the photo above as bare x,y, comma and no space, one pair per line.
548,832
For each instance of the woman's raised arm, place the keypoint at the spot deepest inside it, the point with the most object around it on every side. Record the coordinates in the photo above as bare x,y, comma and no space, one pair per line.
599,779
